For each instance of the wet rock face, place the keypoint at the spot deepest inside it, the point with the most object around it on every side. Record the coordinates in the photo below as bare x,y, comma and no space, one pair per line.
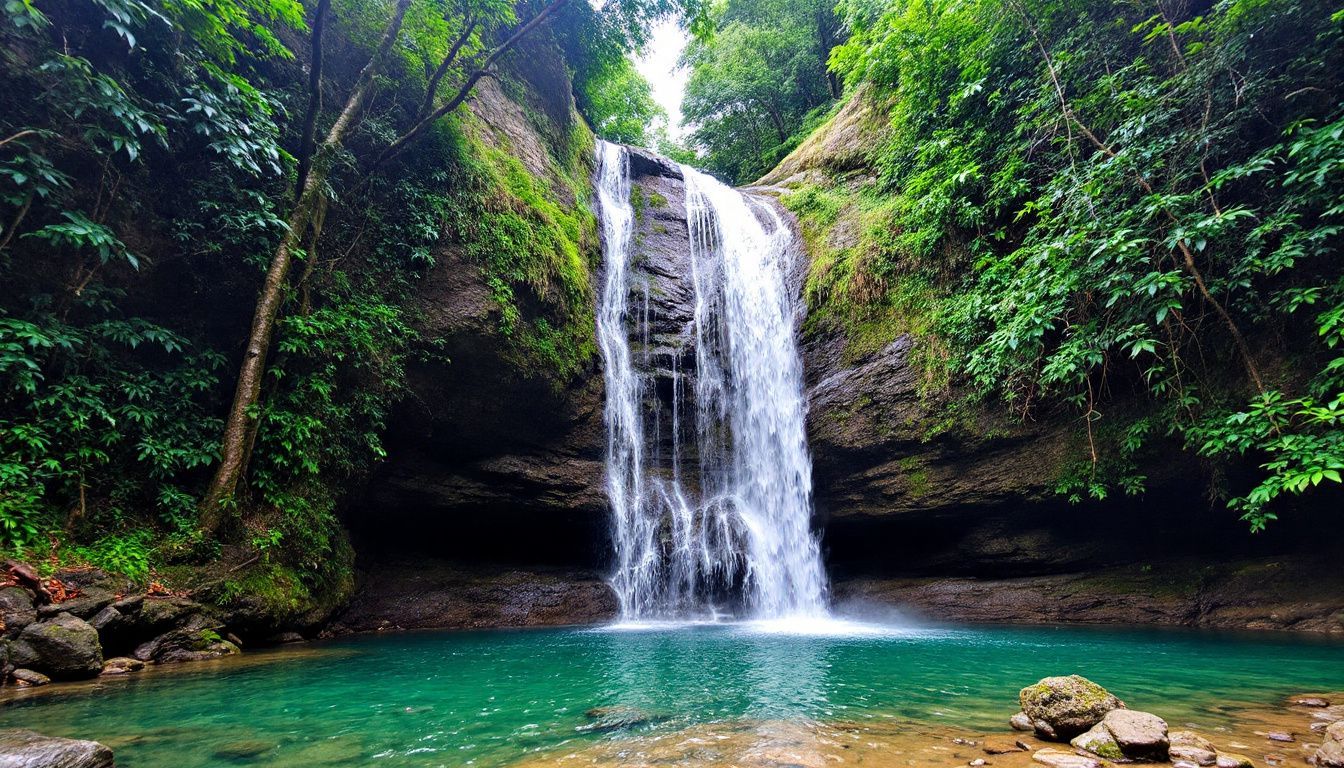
423,593
486,459
662,298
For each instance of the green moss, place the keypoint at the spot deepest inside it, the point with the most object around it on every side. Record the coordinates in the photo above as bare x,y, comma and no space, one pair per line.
864,280
536,253
638,201
657,201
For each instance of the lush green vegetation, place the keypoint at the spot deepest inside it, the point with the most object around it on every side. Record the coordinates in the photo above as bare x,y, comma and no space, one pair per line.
758,82
1124,208
161,163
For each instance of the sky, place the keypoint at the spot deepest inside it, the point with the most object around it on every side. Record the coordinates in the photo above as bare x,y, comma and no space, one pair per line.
659,66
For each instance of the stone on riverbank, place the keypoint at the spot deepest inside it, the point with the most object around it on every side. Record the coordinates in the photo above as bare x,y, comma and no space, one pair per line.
1331,752
1058,758
64,647
185,645
122,665
29,677
1063,707
1020,722
1099,741
1141,735
1190,747
1233,760
20,748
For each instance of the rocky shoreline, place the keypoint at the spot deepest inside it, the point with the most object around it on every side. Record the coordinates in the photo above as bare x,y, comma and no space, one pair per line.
83,623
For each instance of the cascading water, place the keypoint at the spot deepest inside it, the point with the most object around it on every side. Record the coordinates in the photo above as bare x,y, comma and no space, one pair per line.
733,523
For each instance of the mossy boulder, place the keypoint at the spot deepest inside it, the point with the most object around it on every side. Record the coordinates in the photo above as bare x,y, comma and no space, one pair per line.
188,644
63,646
1063,707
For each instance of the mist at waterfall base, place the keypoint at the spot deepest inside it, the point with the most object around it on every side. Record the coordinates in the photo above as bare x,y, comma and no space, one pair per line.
719,526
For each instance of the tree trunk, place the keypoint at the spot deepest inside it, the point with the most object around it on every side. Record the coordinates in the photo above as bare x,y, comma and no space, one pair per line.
234,446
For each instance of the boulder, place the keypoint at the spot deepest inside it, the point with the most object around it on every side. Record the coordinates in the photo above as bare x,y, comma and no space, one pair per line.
1067,706
84,605
1099,741
1190,747
29,677
185,645
1331,752
1141,735
63,646
16,609
1058,758
20,748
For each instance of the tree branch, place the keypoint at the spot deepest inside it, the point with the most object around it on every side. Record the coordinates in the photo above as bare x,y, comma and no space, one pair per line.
465,90
432,89
308,142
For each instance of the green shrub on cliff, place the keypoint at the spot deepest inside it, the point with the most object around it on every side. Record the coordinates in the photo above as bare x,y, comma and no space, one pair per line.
1108,202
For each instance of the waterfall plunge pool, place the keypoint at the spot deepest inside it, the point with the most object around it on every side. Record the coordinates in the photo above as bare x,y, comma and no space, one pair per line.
715,695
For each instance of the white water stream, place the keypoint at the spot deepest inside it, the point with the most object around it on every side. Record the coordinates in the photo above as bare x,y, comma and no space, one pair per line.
724,519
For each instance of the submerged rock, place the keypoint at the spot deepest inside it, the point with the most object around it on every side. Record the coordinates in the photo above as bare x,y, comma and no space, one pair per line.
20,748
1063,707
1058,758
1309,701
614,718
1003,746
1141,735
63,646
243,749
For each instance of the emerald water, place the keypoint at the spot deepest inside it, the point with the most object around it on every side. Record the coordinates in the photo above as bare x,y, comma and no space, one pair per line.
500,697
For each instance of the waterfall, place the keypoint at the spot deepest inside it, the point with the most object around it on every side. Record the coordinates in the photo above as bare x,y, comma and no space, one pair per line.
724,519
